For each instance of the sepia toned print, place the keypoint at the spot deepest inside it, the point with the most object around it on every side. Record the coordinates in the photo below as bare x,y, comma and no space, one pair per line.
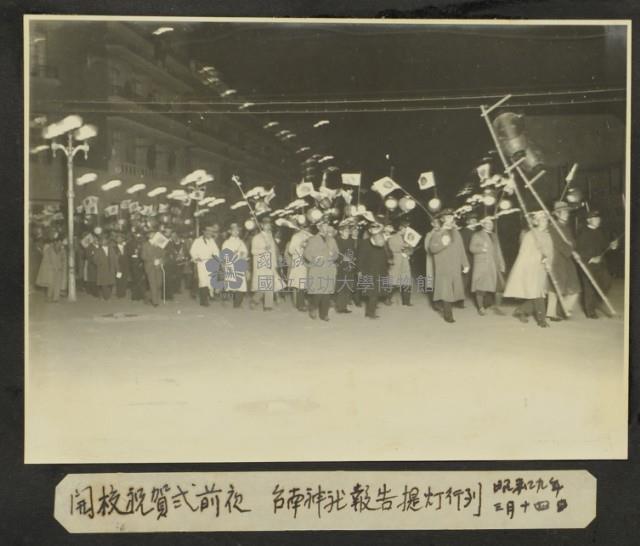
290,240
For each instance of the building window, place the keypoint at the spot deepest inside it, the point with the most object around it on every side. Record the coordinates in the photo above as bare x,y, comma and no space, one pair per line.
151,157
116,144
171,162
130,150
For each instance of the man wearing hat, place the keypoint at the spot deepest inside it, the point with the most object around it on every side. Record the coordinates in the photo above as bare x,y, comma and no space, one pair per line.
400,269
298,267
321,253
470,228
528,277
488,266
373,261
153,258
591,245
347,272
105,259
203,249
564,268
430,265
235,248
265,279
450,260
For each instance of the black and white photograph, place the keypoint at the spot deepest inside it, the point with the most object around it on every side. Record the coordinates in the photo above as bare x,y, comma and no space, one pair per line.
325,240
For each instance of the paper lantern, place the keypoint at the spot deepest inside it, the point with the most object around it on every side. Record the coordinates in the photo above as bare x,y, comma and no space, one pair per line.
314,214
301,219
407,203
574,195
504,204
434,204
249,225
489,198
391,203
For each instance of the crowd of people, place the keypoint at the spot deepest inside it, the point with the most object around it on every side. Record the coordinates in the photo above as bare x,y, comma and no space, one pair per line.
343,264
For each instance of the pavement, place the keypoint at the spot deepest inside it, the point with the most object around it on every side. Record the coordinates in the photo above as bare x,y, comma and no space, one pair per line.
121,381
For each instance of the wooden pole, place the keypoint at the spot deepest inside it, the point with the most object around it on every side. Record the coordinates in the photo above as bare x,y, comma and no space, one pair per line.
554,282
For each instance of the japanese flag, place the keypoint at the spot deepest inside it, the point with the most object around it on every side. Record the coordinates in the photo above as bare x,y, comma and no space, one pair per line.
90,204
303,189
159,240
426,181
411,237
384,186
86,240
134,206
111,210
124,205
351,179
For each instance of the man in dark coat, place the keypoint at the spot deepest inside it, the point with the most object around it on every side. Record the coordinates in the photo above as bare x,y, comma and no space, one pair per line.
373,263
124,268
105,259
592,244
346,277
471,226
451,263
153,258
564,268
139,285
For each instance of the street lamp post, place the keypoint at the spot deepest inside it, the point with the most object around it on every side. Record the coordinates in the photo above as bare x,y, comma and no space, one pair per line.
75,131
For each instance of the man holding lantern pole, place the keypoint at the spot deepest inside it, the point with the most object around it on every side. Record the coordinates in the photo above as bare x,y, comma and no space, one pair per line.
564,268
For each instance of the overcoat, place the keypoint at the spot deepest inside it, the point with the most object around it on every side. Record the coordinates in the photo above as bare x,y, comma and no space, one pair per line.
430,268
449,260
347,264
321,254
400,269
264,257
52,267
564,267
106,265
528,277
373,262
488,262
202,250
295,255
241,253
589,244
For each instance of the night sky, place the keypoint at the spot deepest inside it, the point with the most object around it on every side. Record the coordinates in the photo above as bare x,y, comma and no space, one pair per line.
295,62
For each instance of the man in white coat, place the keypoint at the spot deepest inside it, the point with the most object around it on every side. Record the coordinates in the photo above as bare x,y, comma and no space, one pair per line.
203,249
235,255
265,279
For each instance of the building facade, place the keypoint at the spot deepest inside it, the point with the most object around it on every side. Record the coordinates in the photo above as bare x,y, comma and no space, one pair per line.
146,100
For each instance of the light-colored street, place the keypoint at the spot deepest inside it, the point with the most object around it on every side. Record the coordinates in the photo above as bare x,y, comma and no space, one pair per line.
124,382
